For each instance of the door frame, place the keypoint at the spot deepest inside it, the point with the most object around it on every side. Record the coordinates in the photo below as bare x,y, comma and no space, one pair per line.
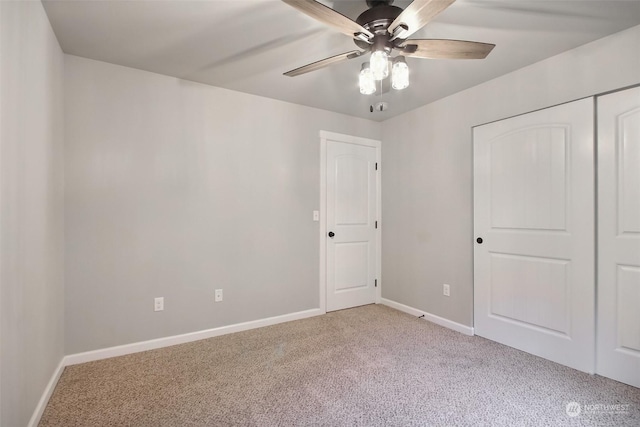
347,139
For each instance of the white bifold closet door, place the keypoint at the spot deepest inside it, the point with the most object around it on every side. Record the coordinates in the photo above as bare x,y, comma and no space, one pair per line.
618,354
534,269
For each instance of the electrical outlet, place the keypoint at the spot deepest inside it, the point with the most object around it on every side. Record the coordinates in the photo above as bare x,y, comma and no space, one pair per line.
218,295
158,304
445,290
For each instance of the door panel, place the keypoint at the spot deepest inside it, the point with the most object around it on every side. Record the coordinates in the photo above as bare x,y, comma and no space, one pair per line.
351,216
628,316
352,265
351,190
528,179
629,178
618,348
534,210
542,282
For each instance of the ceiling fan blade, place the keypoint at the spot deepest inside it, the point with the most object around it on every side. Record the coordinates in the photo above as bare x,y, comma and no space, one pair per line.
446,49
329,17
417,15
324,63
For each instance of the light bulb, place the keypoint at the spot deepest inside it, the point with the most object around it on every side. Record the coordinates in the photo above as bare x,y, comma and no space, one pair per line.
380,64
399,73
366,80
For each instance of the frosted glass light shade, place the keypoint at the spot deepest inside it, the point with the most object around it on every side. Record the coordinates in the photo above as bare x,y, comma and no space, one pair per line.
379,64
366,80
399,74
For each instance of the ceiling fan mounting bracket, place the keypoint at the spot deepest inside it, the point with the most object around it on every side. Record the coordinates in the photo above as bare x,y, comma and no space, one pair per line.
408,48
399,32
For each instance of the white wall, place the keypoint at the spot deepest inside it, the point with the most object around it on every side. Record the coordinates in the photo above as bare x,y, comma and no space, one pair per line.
428,168
175,189
31,214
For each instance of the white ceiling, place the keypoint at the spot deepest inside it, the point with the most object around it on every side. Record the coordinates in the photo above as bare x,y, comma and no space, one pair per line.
246,45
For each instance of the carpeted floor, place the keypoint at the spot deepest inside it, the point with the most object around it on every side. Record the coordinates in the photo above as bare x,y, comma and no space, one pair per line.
367,366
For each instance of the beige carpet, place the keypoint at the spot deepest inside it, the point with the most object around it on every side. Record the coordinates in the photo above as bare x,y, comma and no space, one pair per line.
367,366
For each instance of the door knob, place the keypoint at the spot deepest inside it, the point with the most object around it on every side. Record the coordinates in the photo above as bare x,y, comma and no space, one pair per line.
479,240
331,234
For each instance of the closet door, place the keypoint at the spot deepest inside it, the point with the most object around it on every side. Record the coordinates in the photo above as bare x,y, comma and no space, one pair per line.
618,348
534,214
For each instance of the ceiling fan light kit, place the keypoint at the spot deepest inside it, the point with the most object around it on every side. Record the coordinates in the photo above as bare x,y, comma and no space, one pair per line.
366,80
379,64
380,30
399,73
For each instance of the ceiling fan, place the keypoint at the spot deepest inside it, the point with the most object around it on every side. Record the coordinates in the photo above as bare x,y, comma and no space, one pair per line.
383,29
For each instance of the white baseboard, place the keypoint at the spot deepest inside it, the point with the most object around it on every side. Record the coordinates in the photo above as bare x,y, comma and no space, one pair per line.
46,395
459,327
121,350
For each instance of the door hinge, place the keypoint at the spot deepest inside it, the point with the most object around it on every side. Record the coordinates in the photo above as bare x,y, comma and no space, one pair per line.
376,224
376,166
376,282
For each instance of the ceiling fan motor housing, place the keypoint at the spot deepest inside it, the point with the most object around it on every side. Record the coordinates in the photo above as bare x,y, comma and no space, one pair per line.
376,20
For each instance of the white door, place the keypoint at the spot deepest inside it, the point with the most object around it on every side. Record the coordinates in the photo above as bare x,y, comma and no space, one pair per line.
618,341
351,221
534,211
